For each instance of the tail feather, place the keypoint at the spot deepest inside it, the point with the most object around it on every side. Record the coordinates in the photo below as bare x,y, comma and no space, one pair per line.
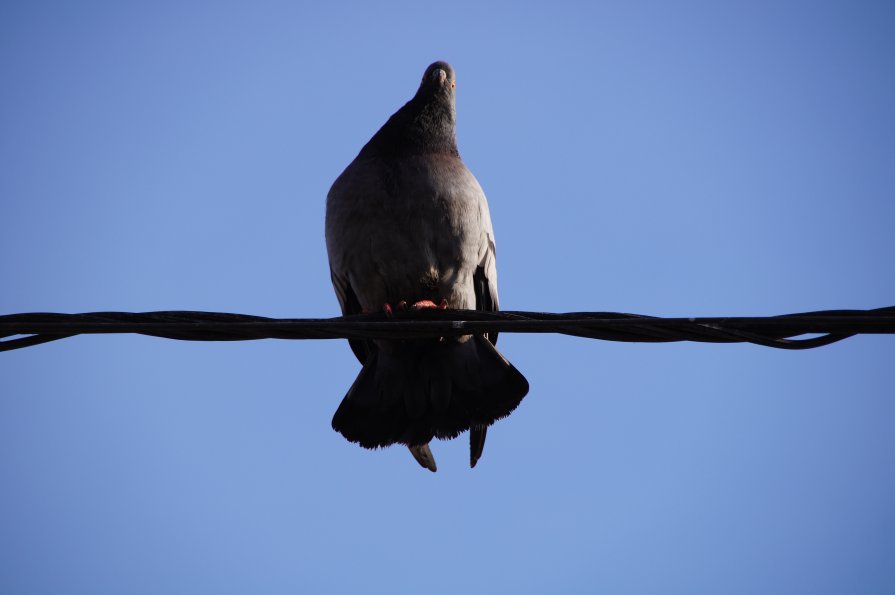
414,391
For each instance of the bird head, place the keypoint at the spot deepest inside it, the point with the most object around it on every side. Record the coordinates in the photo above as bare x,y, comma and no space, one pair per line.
438,82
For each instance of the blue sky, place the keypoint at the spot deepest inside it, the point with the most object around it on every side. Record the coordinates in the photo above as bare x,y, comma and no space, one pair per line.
671,159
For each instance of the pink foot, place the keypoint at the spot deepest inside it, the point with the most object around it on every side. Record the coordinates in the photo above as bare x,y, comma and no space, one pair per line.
429,305
386,309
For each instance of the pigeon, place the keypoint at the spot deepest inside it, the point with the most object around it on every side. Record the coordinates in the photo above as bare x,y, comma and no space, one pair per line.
408,223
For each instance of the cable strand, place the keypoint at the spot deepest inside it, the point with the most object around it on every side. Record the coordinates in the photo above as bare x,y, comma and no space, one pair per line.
770,331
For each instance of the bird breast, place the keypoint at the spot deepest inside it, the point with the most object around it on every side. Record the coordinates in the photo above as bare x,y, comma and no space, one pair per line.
407,229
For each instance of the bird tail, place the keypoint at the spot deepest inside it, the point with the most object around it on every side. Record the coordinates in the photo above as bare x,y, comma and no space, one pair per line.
412,391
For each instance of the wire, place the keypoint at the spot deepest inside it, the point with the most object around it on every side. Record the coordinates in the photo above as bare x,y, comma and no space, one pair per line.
773,331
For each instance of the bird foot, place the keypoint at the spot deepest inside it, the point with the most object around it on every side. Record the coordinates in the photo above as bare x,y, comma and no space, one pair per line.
386,309
429,305
416,307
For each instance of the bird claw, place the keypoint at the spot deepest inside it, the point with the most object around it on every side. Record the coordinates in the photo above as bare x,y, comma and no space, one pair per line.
416,307
429,305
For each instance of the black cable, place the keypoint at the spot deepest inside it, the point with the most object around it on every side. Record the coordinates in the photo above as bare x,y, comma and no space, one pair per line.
773,331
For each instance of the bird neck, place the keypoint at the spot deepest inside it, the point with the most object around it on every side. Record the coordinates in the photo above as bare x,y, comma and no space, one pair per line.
420,127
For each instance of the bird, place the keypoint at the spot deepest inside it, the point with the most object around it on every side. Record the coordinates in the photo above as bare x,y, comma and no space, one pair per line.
408,223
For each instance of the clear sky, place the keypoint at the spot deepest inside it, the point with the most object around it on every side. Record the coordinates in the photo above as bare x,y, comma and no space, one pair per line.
667,158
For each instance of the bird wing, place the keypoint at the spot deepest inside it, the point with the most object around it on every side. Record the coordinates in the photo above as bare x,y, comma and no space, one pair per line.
485,284
350,305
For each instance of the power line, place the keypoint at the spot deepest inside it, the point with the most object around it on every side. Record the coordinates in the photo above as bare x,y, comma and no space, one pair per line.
770,331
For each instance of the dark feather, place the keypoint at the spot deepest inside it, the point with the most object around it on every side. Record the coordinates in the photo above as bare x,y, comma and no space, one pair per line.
423,390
